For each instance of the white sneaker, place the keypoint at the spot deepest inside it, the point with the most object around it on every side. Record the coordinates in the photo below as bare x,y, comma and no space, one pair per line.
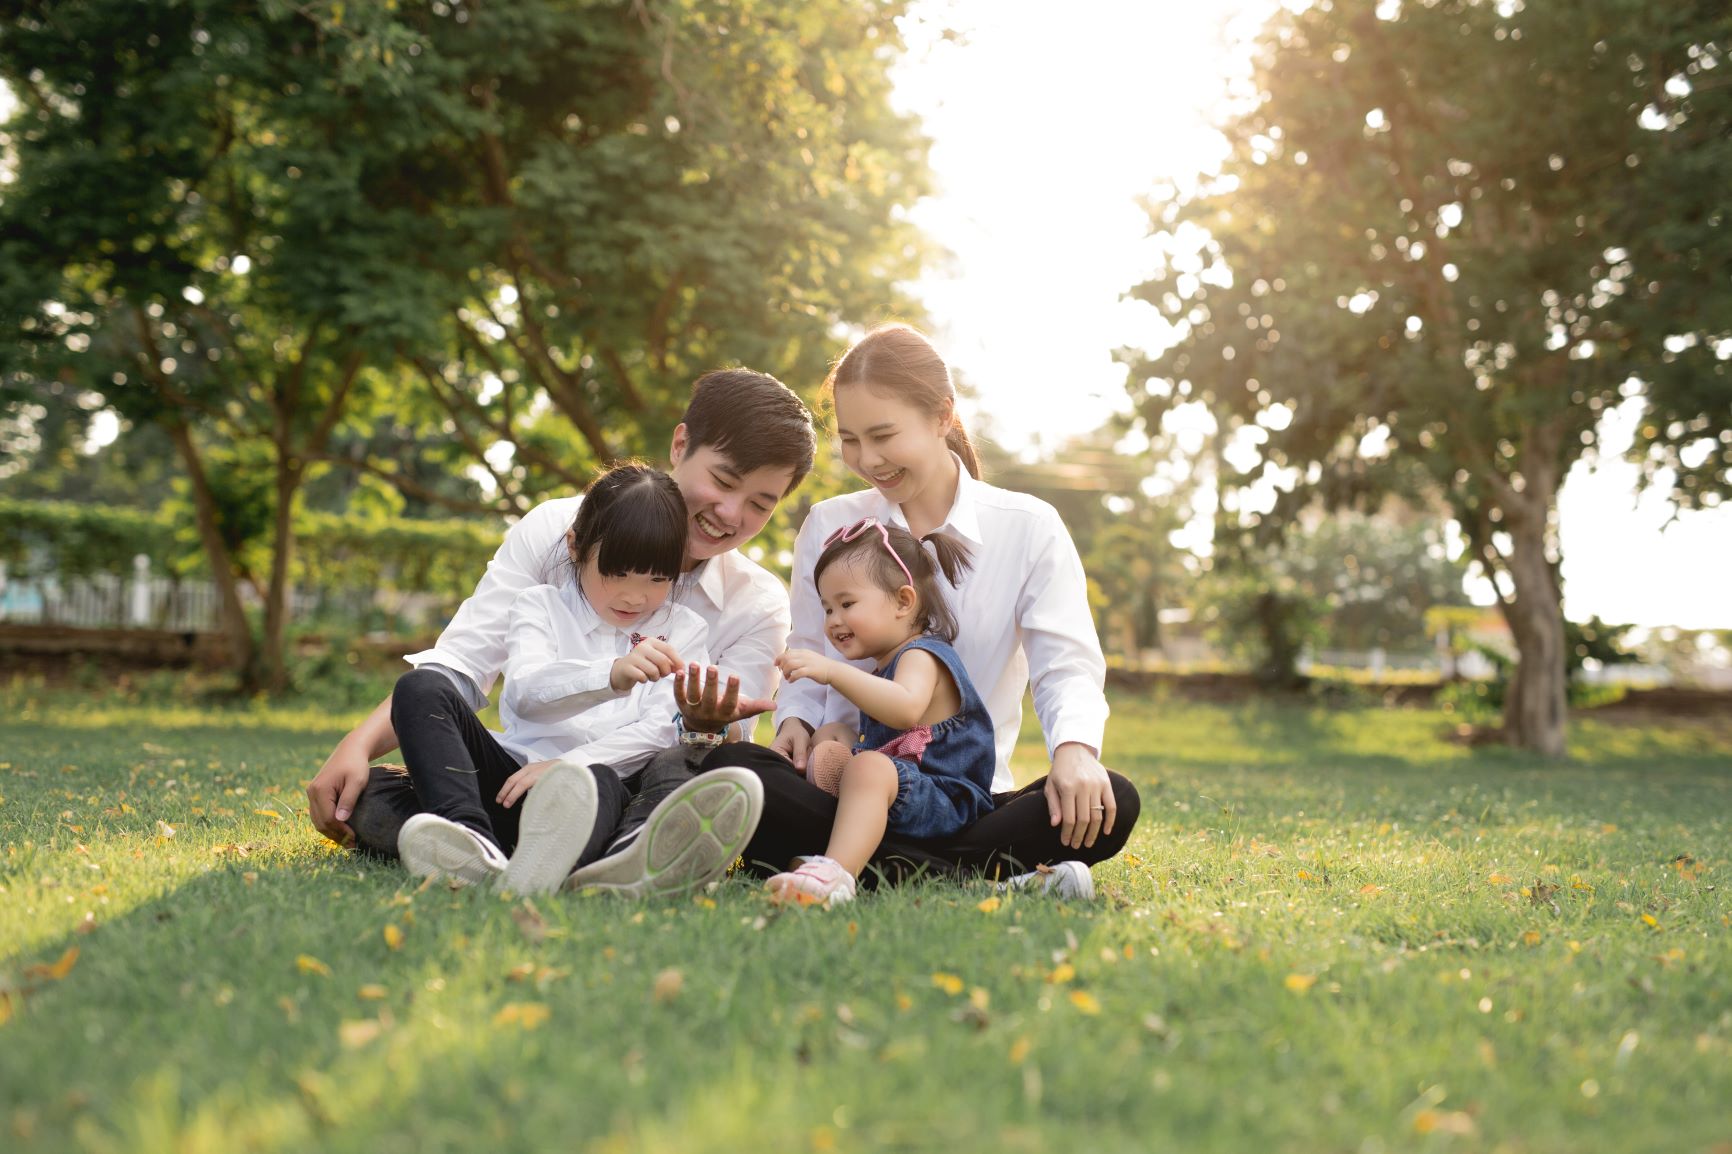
819,881
689,840
558,817
431,846
1068,881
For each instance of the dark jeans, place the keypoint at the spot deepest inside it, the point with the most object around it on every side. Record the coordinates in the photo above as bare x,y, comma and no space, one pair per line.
436,729
1015,837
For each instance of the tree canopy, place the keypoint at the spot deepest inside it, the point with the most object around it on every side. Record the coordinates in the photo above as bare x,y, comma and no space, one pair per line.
1446,238
405,241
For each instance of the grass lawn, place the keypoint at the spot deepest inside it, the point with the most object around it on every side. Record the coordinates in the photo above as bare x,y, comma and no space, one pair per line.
1333,931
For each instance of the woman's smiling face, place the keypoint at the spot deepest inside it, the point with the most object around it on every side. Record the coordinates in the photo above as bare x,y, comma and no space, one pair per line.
896,447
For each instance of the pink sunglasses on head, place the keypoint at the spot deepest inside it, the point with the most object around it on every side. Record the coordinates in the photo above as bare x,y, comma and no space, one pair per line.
859,527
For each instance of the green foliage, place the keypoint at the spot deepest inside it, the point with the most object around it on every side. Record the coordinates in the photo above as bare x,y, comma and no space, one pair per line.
1344,581
440,558
1408,277
1332,931
333,553
410,241
1264,618
1122,534
44,538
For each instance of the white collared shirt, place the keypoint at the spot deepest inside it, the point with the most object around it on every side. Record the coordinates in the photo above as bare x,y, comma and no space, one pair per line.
744,605
558,699
1023,603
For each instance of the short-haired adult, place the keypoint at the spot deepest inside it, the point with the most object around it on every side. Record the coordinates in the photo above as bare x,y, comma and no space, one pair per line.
744,443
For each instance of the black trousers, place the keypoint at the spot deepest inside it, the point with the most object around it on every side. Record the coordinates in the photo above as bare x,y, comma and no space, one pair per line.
1015,837
454,768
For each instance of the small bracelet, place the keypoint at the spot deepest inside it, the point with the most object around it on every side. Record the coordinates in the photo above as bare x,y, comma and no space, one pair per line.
699,738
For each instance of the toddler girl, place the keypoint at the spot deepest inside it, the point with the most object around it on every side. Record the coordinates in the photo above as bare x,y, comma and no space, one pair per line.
925,766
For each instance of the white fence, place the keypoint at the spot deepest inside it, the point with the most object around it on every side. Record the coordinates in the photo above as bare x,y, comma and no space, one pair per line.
107,601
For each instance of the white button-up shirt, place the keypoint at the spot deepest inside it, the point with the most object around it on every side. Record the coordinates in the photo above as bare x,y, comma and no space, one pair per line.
558,699
744,605
1023,603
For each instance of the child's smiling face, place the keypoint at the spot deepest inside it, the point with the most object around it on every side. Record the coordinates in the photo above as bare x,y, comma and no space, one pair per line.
624,600
861,619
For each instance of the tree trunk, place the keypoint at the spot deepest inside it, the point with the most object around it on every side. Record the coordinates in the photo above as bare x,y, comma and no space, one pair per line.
242,652
1535,706
272,668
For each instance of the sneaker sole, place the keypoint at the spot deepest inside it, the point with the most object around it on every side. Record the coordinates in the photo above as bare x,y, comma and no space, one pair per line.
558,817
688,842
432,847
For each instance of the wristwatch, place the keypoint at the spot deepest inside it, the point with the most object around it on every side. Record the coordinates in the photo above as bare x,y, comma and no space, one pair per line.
698,737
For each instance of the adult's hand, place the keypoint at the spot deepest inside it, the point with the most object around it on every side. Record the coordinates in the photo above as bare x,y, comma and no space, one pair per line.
332,792
1079,796
794,742
707,707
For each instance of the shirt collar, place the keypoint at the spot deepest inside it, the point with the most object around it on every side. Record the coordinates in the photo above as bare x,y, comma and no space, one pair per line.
708,579
962,521
588,620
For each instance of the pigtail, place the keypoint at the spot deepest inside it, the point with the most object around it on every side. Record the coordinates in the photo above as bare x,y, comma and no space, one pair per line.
953,557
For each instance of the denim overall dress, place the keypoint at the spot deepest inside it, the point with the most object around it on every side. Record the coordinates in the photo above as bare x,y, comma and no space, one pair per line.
944,770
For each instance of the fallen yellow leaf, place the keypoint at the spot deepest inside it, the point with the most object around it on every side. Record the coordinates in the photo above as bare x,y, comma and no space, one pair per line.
355,1034
1061,973
371,992
1443,1122
904,1002
1019,1051
1531,938
987,906
1085,1001
949,983
58,969
308,964
394,936
667,987
979,998
1497,879
1300,983
528,1015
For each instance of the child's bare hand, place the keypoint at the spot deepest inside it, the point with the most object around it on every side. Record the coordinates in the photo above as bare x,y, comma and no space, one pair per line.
805,665
652,660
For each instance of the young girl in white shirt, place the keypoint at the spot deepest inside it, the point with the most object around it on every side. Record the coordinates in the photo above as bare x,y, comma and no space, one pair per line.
586,681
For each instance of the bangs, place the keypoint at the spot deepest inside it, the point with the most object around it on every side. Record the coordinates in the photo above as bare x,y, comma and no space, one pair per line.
633,520
642,536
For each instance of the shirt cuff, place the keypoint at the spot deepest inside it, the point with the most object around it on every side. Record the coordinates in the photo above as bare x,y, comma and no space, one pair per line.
465,684
1085,726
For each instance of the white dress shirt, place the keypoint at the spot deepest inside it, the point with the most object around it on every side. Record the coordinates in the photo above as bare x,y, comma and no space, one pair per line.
744,605
1023,603
558,700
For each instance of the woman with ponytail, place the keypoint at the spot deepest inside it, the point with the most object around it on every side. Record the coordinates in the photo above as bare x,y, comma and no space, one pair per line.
1021,609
